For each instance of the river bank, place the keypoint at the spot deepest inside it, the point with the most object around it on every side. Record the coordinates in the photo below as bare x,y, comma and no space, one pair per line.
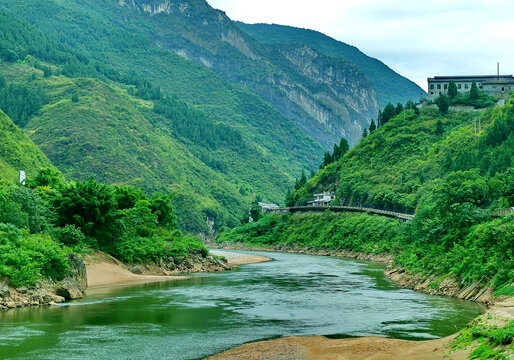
432,285
500,313
367,348
98,269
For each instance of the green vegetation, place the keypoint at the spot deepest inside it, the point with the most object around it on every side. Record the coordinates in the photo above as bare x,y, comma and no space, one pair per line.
432,164
50,218
488,338
18,152
277,145
93,120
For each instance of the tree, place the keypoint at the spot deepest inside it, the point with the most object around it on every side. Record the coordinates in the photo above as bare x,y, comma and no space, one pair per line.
399,108
364,133
439,127
452,90
388,114
303,179
75,98
47,177
91,207
372,127
473,93
343,146
443,103
380,118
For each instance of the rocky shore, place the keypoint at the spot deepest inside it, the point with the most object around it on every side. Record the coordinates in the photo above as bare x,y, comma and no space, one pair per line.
48,292
74,287
433,285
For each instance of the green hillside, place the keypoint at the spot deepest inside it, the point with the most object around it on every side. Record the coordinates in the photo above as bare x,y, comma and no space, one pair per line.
327,98
452,170
93,120
390,86
95,37
18,152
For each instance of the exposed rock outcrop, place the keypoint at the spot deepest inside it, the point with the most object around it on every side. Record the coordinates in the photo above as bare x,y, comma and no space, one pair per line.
326,97
48,292
174,265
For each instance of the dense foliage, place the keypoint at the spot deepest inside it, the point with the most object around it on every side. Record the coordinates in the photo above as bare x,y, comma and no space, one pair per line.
444,169
130,58
42,222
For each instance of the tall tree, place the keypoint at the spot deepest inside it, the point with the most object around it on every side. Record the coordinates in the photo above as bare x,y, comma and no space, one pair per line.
388,114
452,90
372,127
364,132
443,103
399,108
473,93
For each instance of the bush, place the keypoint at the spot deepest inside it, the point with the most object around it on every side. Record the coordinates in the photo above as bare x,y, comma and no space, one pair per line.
26,259
69,235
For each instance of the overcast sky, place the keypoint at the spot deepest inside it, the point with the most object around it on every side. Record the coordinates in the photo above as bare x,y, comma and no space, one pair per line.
418,39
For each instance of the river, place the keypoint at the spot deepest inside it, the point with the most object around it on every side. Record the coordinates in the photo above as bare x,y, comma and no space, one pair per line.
295,294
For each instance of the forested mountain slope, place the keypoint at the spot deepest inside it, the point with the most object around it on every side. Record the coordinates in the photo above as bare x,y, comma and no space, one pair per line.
278,141
452,170
394,166
18,152
326,97
389,86
119,132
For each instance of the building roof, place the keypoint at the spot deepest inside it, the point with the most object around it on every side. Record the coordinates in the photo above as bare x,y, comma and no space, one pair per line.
462,77
270,206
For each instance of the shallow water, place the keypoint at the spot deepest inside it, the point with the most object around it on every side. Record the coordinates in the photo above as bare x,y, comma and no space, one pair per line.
295,295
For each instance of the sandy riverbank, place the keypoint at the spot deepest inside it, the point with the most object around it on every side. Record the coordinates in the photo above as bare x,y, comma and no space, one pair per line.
364,348
104,270
239,258
322,348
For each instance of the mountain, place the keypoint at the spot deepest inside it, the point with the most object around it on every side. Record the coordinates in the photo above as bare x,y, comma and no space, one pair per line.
326,97
18,152
175,97
389,86
449,172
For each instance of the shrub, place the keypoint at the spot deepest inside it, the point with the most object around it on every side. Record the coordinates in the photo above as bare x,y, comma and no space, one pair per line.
25,259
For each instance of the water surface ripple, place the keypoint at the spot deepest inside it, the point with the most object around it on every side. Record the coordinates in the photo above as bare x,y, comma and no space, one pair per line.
294,295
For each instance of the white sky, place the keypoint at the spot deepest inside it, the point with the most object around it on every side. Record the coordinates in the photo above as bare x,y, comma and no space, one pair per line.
417,39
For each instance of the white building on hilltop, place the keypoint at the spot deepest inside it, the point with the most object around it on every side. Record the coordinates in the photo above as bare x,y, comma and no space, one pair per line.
495,85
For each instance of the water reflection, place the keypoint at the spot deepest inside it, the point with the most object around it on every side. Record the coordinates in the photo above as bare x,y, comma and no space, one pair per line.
294,295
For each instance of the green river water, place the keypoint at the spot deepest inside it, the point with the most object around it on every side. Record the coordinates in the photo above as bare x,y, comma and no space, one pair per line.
294,295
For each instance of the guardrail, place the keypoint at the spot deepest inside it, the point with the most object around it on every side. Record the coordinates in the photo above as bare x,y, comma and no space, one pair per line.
503,212
346,208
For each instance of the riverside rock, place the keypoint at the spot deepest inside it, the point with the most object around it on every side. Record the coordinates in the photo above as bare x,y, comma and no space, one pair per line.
70,289
4,291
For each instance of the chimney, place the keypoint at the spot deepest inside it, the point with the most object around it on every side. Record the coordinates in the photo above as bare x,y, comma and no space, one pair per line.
498,68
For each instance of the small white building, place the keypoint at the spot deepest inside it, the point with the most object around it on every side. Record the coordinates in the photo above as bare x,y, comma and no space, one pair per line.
268,207
495,85
323,199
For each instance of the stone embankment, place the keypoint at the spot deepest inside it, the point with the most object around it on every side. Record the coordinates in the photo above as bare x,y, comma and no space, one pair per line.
433,285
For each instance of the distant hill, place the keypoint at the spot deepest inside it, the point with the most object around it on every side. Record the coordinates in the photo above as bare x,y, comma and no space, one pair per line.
18,152
389,85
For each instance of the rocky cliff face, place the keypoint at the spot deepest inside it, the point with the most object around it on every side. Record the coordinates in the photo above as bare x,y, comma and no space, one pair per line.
328,98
